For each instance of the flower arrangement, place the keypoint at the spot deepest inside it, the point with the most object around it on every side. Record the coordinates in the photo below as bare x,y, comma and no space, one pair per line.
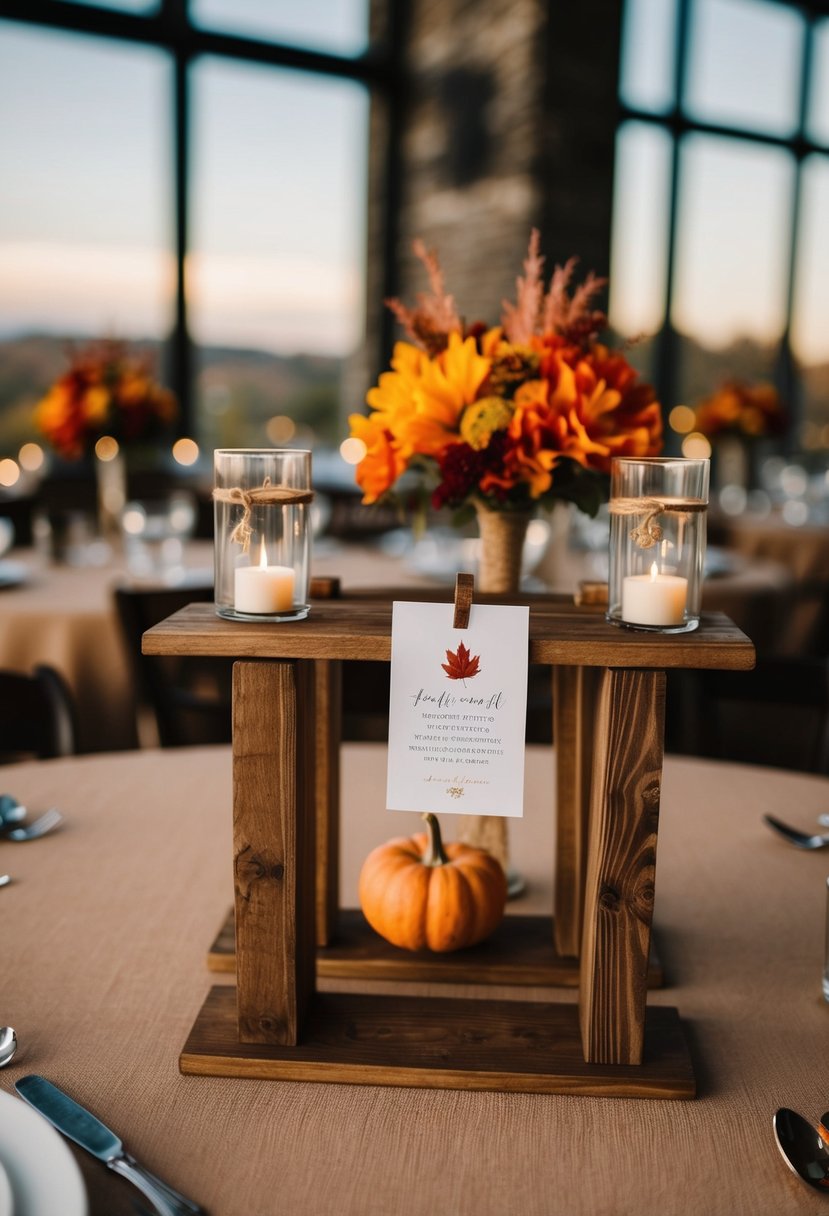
506,418
105,391
739,408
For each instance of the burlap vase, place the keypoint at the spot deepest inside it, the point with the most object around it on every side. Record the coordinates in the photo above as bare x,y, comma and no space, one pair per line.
499,572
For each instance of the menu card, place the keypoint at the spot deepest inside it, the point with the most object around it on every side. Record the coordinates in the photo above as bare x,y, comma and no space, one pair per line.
458,710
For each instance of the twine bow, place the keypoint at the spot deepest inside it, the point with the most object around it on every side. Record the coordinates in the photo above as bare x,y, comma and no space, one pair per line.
648,533
267,495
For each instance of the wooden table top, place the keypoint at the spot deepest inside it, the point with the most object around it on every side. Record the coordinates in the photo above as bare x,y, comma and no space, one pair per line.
360,628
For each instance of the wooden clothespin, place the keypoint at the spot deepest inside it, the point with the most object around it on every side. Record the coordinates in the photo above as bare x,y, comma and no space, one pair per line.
464,586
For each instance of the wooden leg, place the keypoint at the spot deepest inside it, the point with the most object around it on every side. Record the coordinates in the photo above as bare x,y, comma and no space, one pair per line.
273,847
624,817
574,706
328,694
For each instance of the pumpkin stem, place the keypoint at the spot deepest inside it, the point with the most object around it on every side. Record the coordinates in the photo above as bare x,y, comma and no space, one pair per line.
434,855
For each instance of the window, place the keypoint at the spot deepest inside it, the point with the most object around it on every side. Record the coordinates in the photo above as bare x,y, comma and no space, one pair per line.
279,167
719,252
191,178
85,232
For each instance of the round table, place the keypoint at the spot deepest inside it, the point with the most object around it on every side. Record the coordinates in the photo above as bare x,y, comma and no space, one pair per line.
105,971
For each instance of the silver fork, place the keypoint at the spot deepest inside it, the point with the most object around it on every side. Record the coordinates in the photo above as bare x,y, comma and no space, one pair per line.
39,827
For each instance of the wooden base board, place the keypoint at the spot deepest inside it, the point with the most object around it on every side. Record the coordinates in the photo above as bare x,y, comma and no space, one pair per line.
521,951
441,1043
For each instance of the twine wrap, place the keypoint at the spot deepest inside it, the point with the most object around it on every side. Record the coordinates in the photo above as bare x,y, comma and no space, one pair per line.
648,533
267,495
502,542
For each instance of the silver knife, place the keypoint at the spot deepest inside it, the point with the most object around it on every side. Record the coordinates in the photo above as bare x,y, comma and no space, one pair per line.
78,1124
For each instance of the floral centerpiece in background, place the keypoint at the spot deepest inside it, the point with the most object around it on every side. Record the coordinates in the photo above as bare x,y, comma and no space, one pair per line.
103,405
105,391
504,420
751,411
735,418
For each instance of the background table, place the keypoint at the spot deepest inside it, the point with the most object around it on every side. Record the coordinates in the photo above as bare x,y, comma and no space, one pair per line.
804,553
65,616
104,972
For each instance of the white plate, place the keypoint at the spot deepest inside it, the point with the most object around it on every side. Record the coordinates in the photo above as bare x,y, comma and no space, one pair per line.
43,1173
6,1200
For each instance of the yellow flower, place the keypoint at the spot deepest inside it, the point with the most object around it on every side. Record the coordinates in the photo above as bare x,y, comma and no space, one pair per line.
447,385
483,418
421,400
95,404
393,398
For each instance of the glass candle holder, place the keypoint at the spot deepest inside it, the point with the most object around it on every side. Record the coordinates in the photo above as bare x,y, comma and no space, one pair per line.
657,542
262,543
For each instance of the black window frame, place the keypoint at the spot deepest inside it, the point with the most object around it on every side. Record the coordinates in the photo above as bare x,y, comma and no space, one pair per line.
171,29
678,124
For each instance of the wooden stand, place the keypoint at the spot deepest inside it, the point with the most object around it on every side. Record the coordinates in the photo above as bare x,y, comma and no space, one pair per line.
609,707
519,952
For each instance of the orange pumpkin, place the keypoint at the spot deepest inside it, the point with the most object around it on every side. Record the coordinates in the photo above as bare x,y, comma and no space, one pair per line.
417,892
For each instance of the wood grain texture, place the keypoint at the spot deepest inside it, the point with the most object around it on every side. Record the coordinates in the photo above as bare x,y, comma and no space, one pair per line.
464,586
273,841
519,952
352,628
619,891
440,1043
574,706
328,704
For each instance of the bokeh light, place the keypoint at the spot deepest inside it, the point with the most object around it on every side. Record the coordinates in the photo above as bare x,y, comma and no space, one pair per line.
106,448
185,451
795,512
9,472
280,428
31,457
696,446
682,419
133,519
352,450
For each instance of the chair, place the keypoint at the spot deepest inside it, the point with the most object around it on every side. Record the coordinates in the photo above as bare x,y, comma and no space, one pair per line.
777,714
37,715
189,697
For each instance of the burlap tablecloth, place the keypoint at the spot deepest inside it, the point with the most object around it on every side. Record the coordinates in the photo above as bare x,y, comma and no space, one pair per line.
102,954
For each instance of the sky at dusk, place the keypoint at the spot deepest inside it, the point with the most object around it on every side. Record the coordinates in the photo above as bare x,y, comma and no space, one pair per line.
278,183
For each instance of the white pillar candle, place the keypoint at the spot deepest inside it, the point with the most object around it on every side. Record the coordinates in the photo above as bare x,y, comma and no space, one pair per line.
654,599
263,588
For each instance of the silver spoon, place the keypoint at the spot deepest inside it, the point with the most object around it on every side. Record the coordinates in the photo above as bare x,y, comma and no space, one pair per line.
8,1045
803,1148
801,840
5,879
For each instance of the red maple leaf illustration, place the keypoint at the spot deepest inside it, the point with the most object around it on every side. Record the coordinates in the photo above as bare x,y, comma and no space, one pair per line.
460,664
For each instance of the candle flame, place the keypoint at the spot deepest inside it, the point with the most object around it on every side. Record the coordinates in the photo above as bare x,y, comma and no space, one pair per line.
263,557
654,572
